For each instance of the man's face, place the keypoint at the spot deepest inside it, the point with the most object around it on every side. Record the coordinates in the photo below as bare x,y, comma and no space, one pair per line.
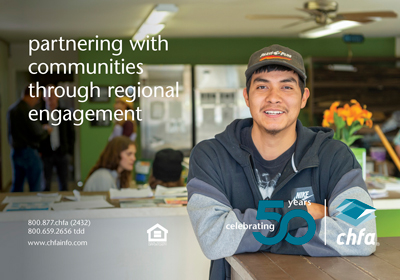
52,100
275,101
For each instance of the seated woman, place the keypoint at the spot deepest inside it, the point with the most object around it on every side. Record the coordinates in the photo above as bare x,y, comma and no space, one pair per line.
125,127
113,170
167,169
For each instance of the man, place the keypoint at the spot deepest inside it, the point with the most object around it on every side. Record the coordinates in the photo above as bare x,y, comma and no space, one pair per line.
58,145
24,136
272,157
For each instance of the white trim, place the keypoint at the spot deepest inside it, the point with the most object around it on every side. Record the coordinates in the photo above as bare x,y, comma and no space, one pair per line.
386,204
293,166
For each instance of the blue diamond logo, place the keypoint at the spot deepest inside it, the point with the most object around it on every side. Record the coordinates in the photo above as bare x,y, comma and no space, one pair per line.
355,212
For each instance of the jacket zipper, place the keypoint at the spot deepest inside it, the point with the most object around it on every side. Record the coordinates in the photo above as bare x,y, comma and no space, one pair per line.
291,176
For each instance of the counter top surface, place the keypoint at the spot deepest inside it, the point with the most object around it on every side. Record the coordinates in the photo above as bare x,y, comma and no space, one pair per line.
89,213
383,264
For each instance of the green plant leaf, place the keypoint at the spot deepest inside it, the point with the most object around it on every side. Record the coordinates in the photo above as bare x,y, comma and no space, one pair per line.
346,135
338,134
339,122
355,128
352,139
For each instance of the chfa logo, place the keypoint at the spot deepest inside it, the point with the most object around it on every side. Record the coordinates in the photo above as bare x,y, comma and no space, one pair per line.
355,213
157,235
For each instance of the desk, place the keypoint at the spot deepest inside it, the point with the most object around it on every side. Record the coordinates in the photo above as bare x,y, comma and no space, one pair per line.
383,264
117,245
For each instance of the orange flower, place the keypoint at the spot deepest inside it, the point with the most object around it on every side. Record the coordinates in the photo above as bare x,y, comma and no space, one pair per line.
348,113
354,113
328,114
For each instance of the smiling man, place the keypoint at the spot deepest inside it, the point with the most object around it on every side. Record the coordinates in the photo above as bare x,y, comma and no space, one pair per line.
271,156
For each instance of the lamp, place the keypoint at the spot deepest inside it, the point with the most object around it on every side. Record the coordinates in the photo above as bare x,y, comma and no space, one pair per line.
154,23
328,29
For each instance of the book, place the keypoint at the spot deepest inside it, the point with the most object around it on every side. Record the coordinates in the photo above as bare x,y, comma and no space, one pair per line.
130,193
164,192
176,200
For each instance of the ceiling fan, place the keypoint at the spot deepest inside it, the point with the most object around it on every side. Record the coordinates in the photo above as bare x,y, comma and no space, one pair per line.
324,13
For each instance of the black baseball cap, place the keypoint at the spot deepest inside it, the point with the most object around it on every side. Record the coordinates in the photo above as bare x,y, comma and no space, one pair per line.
279,55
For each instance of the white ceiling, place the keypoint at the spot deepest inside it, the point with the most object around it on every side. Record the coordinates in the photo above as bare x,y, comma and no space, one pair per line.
21,20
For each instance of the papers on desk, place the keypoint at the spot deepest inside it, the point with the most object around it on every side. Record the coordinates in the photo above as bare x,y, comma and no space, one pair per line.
163,192
75,205
28,206
32,198
130,193
141,203
378,193
379,186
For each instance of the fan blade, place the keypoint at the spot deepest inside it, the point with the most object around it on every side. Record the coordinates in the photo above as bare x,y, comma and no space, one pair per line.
366,15
257,17
360,20
298,22
311,12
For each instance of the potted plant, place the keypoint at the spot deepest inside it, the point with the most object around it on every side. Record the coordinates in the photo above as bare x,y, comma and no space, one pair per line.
346,121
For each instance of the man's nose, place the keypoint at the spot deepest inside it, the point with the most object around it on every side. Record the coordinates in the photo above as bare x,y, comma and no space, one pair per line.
274,96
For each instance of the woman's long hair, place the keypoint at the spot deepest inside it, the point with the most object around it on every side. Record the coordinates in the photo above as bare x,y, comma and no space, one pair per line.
110,158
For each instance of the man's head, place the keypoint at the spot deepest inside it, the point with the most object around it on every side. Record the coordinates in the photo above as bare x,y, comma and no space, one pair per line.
276,58
33,100
50,97
275,90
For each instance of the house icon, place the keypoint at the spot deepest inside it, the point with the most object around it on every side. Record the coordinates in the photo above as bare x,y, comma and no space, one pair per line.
157,233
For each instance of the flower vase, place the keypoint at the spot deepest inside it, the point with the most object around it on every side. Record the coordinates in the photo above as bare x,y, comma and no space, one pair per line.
361,156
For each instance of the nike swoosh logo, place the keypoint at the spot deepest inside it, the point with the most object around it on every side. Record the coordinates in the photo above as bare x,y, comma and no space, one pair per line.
306,197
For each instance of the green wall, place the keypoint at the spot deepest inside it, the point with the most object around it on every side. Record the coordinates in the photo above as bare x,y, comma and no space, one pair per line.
202,51
387,224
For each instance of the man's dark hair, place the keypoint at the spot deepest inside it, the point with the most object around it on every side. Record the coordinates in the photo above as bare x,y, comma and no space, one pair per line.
270,68
26,91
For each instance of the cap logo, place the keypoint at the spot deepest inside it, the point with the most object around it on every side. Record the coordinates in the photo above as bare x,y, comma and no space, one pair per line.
275,55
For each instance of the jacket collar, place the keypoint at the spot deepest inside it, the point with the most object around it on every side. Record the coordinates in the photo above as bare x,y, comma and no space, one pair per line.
308,143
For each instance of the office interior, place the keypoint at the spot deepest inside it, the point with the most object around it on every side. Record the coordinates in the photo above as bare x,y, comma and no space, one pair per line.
205,38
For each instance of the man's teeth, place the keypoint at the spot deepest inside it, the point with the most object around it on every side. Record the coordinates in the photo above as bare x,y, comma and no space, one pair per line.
273,112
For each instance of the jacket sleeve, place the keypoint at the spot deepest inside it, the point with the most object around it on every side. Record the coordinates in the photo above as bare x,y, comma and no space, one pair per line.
332,233
335,232
220,228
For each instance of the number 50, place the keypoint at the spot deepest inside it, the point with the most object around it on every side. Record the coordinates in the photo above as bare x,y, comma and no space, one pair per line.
262,215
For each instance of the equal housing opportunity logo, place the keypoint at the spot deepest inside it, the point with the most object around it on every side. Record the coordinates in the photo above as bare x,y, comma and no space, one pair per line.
157,235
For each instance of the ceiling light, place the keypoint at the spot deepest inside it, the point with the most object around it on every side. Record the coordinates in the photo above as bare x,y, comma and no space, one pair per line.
343,24
318,32
329,29
153,24
151,29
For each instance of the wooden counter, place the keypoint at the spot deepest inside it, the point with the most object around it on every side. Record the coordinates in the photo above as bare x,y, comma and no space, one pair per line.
383,264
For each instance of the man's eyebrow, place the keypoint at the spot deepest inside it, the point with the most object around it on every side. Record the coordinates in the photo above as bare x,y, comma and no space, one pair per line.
289,80
261,80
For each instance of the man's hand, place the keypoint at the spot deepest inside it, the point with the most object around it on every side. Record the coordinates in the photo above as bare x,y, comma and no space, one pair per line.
316,210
